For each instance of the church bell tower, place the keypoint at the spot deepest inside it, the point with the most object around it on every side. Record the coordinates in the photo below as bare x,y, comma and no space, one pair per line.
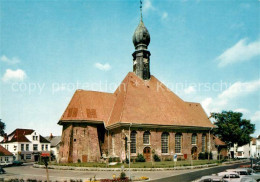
141,56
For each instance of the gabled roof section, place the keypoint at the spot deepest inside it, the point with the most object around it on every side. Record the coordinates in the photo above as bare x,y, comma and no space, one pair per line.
219,142
18,135
55,140
4,152
151,102
88,105
44,140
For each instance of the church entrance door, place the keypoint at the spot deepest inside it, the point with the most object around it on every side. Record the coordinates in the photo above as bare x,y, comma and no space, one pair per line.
147,154
194,153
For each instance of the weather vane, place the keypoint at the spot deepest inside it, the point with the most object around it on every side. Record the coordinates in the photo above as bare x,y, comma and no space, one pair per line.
141,9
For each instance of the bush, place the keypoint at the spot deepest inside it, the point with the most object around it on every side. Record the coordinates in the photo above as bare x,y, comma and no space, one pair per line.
127,161
203,156
156,158
110,159
122,175
140,158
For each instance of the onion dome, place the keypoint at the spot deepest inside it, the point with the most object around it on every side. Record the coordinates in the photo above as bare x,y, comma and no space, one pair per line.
141,37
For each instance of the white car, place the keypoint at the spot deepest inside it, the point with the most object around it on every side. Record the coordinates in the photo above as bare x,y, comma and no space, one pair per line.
5,163
246,172
230,176
212,178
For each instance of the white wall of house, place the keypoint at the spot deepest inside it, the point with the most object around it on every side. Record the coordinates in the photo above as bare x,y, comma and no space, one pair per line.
7,159
25,150
245,151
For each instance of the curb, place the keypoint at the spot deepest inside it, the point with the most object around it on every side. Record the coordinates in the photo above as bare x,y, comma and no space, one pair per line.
119,169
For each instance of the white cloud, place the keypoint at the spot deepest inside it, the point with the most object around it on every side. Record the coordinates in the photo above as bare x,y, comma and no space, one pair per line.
241,51
103,67
13,60
240,88
147,6
189,90
242,110
236,90
164,15
14,75
256,116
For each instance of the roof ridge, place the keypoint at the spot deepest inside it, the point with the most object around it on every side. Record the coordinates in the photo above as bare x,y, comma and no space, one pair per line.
123,108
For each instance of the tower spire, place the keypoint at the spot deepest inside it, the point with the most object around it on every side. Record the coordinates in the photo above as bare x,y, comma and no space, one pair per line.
141,56
141,8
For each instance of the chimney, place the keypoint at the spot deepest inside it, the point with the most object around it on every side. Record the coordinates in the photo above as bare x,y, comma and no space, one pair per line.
51,136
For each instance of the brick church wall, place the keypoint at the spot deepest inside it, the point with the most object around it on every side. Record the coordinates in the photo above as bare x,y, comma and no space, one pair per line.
79,143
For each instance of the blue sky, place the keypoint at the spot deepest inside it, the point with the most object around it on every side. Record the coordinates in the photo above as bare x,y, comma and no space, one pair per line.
205,51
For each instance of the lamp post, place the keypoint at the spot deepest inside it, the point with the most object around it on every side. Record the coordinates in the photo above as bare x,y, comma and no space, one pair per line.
129,150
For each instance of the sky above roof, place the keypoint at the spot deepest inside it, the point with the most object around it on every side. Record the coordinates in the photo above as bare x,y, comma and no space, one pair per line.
204,51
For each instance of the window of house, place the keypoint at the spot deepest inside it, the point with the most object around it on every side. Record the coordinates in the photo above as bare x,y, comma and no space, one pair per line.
36,137
22,147
133,142
42,147
113,143
35,147
178,143
165,142
203,143
28,156
146,137
6,159
46,147
27,147
194,139
33,137
1,159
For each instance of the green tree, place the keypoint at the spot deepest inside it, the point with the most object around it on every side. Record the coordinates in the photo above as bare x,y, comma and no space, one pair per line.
231,128
2,128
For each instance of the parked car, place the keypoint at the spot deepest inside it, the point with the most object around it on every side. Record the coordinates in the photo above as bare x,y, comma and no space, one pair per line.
256,168
246,172
230,176
247,179
17,163
212,178
5,163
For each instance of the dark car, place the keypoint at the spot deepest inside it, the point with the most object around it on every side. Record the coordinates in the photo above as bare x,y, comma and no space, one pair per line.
17,163
256,168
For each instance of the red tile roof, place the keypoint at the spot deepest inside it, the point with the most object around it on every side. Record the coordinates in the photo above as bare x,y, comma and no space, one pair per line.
135,101
4,152
219,142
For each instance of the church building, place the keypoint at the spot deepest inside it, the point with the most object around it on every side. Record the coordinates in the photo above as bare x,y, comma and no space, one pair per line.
141,117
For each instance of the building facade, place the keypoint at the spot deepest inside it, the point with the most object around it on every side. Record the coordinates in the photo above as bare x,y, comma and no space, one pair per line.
6,157
142,116
26,144
55,146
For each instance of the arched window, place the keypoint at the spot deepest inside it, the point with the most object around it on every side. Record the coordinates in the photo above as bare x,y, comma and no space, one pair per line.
178,138
146,137
203,143
133,142
165,142
113,143
194,139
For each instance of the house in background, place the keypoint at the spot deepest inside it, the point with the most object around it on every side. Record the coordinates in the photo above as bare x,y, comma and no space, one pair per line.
222,149
26,144
55,146
245,151
258,146
6,157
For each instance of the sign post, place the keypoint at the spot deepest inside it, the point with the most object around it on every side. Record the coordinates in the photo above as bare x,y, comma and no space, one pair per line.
45,157
175,159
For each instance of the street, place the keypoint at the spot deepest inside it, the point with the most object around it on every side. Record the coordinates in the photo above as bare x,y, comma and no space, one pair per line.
28,172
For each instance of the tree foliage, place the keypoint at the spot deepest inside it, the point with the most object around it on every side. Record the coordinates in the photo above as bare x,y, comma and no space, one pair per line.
2,128
231,128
